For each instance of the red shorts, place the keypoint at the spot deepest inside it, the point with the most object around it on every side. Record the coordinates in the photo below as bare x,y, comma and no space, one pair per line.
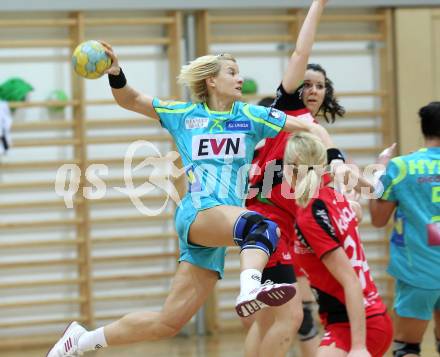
379,335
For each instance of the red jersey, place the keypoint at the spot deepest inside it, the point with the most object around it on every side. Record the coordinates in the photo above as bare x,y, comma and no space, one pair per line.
269,194
327,223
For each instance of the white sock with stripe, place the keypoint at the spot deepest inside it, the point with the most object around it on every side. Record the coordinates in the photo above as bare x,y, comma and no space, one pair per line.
92,340
250,279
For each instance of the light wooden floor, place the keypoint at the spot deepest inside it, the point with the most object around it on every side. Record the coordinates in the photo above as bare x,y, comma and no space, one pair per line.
224,345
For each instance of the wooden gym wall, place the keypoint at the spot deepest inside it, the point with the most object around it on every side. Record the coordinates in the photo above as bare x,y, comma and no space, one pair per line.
93,263
224,31
102,257
418,70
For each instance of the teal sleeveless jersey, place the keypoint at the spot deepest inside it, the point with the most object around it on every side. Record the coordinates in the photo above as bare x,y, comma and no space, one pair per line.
217,147
413,182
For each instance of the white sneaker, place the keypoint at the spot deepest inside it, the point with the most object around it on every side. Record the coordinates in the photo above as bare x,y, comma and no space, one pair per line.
268,294
67,345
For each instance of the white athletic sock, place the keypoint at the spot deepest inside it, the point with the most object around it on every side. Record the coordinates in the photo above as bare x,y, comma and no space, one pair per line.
250,279
92,340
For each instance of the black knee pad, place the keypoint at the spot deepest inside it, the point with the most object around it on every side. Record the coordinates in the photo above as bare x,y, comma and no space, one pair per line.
308,328
252,230
401,348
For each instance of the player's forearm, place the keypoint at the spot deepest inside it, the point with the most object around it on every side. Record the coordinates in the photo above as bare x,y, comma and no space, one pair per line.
296,68
125,97
354,300
307,34
361,184
131,99
378,218
294,125
357,208
323,134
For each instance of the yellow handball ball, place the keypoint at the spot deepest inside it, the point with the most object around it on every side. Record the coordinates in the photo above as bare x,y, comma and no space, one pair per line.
89,59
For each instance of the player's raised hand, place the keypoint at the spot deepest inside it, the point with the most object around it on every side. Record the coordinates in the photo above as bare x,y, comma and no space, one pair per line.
386,155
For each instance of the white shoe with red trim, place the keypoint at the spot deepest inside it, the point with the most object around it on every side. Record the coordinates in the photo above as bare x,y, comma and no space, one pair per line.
268,294
67,345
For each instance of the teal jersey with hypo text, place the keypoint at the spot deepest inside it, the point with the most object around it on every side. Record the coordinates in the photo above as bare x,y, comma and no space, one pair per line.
413,183
217,147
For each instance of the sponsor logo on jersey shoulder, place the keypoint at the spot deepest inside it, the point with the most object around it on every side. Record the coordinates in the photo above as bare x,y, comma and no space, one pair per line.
196,123
275,113
244,125
217,146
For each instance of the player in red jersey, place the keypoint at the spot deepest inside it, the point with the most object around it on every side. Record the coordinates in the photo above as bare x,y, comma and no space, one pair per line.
328,248
275,328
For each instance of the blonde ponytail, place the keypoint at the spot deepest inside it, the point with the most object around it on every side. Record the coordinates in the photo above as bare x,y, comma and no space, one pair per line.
307,187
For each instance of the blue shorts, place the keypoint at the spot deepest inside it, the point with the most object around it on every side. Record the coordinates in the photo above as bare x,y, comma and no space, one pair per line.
416,303
204,257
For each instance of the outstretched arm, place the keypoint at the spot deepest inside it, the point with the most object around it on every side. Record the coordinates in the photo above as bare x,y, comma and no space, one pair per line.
295,125
126,96
298,61
381,210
